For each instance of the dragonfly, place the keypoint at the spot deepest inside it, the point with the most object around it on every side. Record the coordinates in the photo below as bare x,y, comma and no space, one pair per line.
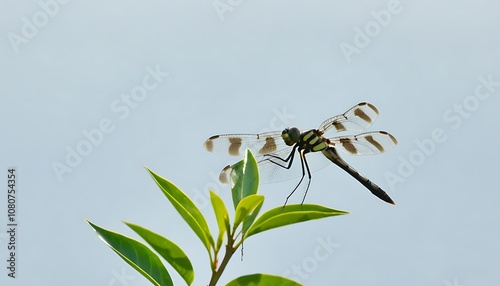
277,149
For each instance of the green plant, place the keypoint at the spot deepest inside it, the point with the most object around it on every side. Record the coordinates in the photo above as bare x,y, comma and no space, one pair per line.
247,204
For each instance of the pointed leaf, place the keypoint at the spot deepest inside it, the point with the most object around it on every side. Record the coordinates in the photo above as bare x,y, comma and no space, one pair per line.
246,207
291,214
222,217
186,208
172,253
136,254
262,280
250,219
245,177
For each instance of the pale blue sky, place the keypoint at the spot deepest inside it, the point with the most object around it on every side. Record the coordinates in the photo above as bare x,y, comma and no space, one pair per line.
432,68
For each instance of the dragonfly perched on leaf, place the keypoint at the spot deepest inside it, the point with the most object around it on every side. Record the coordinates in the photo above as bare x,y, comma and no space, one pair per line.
277,149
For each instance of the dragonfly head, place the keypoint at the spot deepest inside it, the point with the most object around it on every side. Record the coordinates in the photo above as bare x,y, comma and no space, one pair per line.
291,135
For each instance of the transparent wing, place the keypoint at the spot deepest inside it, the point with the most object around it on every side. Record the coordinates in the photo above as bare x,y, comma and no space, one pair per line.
273,170
358,118
365,143
267,169
236,144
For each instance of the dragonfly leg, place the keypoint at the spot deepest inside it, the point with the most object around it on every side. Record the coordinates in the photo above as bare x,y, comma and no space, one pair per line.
302,159
288,160
309,182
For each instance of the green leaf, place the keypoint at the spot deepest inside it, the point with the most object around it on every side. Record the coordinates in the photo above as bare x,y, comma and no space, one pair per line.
250,219
172,253
186,208
262,280
136,254
221,215
245,177
246,206
291,214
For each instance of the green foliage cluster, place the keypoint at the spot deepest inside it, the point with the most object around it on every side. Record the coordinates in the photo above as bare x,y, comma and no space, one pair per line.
246,223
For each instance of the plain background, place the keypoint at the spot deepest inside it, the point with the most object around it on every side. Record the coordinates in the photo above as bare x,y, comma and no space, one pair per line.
254,67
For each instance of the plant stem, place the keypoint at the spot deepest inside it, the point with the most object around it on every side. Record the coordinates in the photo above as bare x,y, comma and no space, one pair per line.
216,273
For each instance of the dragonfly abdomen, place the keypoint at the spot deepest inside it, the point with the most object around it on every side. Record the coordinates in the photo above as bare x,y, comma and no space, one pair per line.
333,156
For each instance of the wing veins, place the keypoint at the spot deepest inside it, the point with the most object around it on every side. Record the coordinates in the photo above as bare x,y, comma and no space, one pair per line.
358,118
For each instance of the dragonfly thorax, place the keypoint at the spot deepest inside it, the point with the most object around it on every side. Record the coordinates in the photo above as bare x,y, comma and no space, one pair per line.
291,135
312,141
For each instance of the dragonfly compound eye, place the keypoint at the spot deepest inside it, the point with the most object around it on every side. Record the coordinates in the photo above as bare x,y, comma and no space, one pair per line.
290,135
294,134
